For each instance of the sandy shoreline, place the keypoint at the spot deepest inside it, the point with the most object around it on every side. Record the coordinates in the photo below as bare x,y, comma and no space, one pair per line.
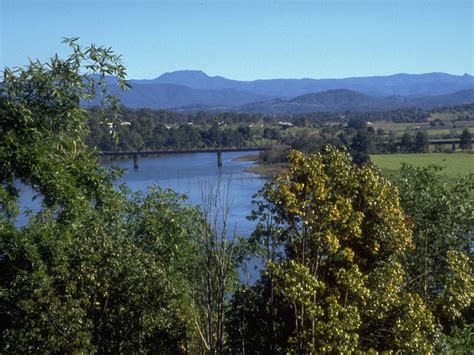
252,157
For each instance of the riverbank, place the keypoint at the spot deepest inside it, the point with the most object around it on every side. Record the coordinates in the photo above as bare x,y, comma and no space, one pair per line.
251,157
267,170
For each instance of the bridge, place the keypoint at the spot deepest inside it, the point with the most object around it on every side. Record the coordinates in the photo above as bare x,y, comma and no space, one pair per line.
209,147
139,153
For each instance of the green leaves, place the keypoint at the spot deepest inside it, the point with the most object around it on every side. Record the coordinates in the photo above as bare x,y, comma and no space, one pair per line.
42,124
96,270
440,266
341,279
458,291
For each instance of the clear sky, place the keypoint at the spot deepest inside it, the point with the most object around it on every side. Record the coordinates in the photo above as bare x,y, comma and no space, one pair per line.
250,39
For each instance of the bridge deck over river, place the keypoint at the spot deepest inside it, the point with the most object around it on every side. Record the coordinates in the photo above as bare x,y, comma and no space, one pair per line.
179,151
137,154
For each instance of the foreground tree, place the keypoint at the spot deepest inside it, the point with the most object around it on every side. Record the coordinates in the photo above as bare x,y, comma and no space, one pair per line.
97,269
338,277
440,266
218,253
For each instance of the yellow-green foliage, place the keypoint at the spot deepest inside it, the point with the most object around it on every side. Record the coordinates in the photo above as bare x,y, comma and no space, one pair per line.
345,233
458,286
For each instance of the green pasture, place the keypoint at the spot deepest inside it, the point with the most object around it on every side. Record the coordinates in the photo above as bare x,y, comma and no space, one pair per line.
455,165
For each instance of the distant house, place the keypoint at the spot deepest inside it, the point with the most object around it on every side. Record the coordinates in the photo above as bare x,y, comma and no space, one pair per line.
111,124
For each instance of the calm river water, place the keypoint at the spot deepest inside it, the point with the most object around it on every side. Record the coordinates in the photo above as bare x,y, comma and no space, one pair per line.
186,173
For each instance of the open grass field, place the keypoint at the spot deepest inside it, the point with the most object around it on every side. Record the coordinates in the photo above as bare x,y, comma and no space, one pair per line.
455,164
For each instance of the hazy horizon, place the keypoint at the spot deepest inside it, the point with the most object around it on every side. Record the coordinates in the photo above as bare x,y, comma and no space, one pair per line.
297,78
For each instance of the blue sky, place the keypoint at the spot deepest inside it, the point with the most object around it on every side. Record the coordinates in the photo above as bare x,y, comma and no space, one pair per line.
250,39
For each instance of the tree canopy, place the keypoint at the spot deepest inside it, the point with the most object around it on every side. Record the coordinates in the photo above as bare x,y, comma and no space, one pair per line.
98,269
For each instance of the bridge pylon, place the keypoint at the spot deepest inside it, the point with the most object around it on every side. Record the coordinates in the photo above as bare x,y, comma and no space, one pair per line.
135,161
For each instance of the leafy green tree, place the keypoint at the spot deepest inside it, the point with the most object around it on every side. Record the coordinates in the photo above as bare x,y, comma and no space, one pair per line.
160,136
391,143
422,143
97,269
134,140
362,145
440,266
245,131
271,133
406,143
357,123
213,136
466,140
380,141
42,124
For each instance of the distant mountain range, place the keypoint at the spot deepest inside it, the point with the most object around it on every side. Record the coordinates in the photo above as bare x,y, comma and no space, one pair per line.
195,90
175,96
343,100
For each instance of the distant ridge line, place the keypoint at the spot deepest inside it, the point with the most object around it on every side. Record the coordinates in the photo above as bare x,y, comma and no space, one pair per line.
191,89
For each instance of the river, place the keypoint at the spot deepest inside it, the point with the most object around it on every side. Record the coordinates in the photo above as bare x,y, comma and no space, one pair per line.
186,174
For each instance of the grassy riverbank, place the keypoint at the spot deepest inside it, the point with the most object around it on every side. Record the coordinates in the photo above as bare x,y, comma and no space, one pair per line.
455,165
